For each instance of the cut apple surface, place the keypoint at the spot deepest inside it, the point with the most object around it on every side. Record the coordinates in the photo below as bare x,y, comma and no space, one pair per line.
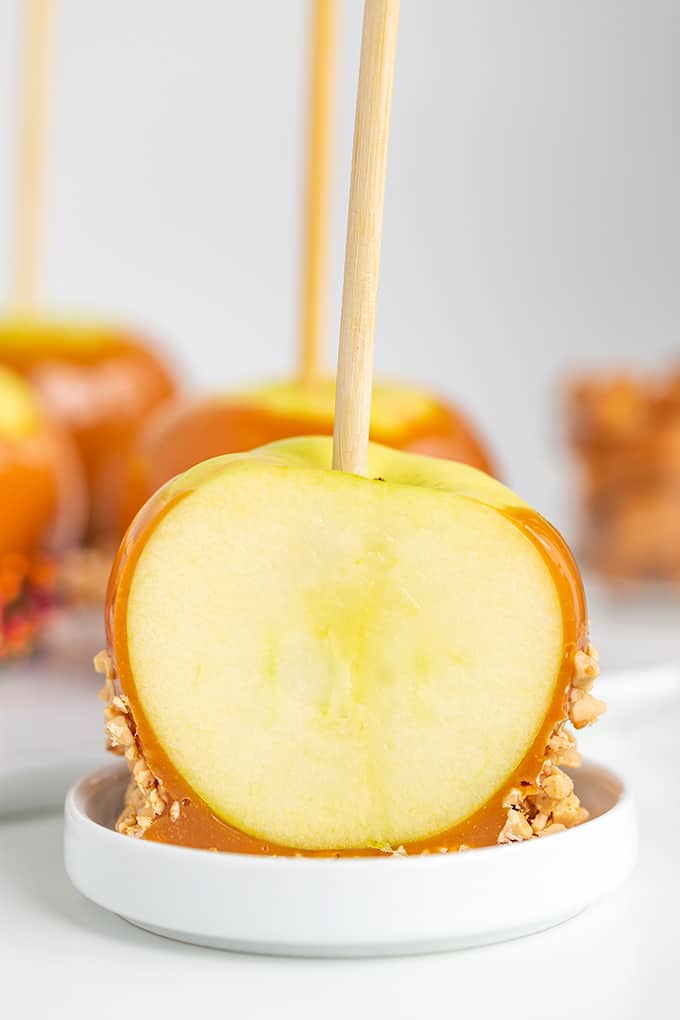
327,662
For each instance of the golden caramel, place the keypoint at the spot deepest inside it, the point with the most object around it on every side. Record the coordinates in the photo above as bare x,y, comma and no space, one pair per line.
40,484
41,509
28,496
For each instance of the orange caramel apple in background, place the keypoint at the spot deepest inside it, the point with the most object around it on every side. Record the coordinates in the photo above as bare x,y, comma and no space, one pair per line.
188,431
101,383
42,509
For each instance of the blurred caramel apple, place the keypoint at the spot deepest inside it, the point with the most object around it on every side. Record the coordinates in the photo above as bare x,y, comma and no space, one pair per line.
303,660
625,431
189,431
42,510
101,384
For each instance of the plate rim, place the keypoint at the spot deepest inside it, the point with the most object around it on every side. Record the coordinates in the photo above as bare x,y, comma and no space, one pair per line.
78,816
304,907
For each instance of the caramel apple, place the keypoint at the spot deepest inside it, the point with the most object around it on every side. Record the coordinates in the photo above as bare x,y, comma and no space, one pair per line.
306,661
188,431
331,647
101,384
42,503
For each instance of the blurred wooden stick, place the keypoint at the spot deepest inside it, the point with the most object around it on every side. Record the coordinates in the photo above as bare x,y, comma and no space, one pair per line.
364,233
323,60
31,151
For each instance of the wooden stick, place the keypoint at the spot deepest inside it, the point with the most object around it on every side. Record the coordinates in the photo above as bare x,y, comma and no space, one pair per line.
364,232
31,155
324,22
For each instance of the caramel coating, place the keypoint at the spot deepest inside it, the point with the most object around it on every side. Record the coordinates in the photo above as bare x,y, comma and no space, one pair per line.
101,384
41,511
41,492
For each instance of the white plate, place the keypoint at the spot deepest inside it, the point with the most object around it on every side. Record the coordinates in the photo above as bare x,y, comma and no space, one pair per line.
348,907
51,728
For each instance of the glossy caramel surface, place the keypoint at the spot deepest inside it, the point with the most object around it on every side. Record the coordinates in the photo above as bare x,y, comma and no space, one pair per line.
197,826
40,510
28,495
102,385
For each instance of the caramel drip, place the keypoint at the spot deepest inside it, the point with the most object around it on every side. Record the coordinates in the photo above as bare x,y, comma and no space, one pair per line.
197,826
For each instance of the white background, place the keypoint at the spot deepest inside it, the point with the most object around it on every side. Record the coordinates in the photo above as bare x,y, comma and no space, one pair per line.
531,216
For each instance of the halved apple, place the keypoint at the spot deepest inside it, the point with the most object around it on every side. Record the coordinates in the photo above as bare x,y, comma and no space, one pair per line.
188,431
321,662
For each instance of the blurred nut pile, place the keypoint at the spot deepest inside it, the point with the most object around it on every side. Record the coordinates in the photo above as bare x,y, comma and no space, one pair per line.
625,431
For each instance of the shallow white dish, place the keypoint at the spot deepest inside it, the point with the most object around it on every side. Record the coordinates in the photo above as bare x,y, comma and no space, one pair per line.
51,728
348,907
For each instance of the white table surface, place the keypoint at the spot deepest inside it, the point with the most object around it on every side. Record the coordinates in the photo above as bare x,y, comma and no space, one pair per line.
61,956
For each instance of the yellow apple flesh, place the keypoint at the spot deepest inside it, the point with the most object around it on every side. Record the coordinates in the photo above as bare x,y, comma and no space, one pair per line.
329,662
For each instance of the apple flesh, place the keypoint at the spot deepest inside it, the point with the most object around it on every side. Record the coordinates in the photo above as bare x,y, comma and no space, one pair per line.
101,384
326,662
189,431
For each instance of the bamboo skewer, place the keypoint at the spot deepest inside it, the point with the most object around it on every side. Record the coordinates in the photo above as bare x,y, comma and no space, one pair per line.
31,155
318,186
364,232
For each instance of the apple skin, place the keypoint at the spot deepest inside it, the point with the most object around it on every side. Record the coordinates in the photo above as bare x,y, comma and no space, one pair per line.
197,825
186,432
101,384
